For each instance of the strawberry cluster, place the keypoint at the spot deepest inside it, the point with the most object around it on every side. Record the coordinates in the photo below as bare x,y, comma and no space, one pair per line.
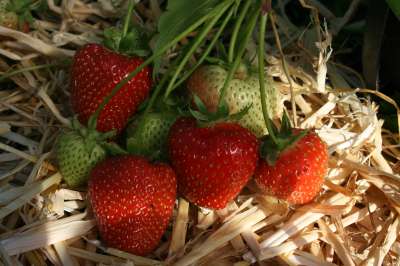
205,147
133,196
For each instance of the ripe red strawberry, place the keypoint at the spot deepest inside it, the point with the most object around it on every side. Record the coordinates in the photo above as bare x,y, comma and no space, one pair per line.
212,163
133,201
95,72
298,172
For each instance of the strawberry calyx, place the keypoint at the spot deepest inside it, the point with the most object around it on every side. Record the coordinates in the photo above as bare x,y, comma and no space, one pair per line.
276,141
206,118
131,40
282,139
93,138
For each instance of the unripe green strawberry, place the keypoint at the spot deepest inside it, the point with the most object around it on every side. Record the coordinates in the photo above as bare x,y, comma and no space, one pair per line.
207,81
76,156
147,136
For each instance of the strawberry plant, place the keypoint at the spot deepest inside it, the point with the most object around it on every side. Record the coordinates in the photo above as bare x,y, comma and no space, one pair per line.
294,162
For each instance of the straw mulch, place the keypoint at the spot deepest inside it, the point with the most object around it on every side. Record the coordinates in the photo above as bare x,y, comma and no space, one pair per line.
354,221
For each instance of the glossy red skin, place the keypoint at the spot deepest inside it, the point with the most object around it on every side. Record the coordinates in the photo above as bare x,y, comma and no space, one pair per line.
95,72
214,163
299,172
132,201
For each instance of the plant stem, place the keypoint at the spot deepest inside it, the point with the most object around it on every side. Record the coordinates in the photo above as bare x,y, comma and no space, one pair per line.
157,91
26,69
236,29
207,51
242,48
128,18
92,124
261,76
198,40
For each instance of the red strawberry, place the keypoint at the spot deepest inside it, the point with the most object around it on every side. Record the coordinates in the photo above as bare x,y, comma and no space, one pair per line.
132,201
298,173
212,163
95,72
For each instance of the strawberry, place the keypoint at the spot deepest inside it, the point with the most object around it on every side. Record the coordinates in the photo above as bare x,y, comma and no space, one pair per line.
76,156
78,151
96,70
212,163
298,171
132,201
148,134
244,90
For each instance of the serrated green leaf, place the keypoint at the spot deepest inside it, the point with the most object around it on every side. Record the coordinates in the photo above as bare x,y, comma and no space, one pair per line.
180,15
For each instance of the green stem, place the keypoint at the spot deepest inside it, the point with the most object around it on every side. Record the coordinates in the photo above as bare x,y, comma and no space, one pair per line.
197,42
128,18
236,29
261,74
92,124
26,69
238,58
157,91
206,52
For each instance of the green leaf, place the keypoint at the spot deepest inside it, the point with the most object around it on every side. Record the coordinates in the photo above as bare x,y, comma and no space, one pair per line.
180,15
394,6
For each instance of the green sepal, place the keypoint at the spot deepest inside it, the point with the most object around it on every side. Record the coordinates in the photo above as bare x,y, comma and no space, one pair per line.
113,149
284,139
206,118
268,151
239,115
286,128
129,39
134,42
